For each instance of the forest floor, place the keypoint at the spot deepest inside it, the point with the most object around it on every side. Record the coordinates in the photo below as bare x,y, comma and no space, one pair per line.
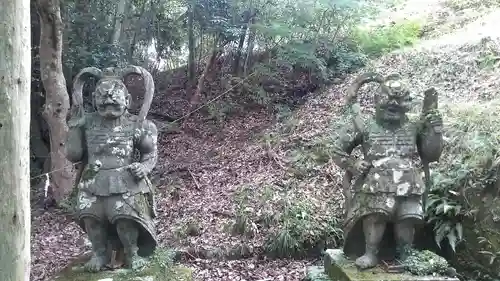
206,168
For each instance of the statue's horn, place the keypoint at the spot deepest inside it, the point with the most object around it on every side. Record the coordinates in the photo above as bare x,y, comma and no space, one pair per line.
79,81
365,78
149,87
393,76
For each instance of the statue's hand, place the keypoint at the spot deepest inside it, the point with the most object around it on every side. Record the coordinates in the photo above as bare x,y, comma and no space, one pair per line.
138,170
435,120
361,167
77,117
76,122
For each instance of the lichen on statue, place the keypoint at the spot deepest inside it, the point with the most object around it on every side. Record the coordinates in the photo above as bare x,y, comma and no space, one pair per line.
115,200
386,205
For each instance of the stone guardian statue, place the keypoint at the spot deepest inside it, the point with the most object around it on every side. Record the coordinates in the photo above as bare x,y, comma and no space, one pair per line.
387,184
115,203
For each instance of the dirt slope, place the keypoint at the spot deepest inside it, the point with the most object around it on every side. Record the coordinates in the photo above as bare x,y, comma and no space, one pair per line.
205,167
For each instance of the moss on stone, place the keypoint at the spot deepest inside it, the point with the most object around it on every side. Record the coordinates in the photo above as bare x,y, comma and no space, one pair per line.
177,273
161,268
338,268
425,263
316,273
377,273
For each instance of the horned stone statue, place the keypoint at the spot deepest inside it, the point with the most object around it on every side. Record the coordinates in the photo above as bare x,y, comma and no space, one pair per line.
118,150
387,184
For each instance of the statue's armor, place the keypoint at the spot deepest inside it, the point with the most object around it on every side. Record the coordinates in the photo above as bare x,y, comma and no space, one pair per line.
394,156
392,187
111,143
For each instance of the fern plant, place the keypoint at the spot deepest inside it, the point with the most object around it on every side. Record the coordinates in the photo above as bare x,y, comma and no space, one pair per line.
303,231
466,171
445,215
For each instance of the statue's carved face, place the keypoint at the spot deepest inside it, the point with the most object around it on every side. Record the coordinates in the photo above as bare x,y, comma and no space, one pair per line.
393,106
111,98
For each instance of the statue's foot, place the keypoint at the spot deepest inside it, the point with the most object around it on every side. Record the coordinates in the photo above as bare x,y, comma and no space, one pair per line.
403,253
366,261
95,264
137,262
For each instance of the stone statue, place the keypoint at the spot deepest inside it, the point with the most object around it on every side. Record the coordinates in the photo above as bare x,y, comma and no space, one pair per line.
386,205
115,203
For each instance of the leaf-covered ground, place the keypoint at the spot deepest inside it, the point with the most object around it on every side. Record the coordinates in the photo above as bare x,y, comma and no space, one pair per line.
206,166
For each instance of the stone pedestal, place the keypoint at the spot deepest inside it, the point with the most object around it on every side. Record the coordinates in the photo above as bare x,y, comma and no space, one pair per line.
338,268
152,273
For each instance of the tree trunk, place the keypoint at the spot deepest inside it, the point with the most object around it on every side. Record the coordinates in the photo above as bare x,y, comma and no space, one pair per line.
56,98
243,35
200,46
119,15
39,148
196,98
191,47
138,25
239,51
15,84
251,43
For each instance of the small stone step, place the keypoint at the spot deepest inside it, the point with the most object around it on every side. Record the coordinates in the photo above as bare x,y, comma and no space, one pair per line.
338,268
316,273
76,273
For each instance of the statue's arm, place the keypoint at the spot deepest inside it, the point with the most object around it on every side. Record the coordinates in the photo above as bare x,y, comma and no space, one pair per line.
429,143
75,144
348,139
148,147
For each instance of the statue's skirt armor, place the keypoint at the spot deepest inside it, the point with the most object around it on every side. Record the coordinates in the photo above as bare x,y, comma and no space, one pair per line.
389,205
392,189
110,208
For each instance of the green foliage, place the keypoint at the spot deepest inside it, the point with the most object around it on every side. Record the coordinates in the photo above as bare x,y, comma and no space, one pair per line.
89,27
243,224
103,55
489,251
307,35
295,226
190,228
165,269
467,168
444,214
383,39
490,57
425,263
302,231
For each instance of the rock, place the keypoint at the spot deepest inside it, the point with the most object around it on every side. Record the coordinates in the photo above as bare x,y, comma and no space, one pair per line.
339,268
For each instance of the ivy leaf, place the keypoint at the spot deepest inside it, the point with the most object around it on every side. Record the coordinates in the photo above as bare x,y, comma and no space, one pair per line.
447,207
487,253
481,240
460,231
452,240
492,259
440,234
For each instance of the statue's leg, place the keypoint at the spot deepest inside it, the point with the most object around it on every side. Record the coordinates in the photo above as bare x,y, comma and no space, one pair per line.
128,232
97,234
373,228
409,214
404,231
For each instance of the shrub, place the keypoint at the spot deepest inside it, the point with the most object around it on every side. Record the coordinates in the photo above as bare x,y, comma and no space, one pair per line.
383,39
303,231
458,207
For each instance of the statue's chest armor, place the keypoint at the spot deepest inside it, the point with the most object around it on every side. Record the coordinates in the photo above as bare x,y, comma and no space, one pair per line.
115,140
392,155
381,143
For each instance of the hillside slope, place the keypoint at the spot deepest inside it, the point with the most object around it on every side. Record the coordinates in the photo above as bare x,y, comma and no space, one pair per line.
262,176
